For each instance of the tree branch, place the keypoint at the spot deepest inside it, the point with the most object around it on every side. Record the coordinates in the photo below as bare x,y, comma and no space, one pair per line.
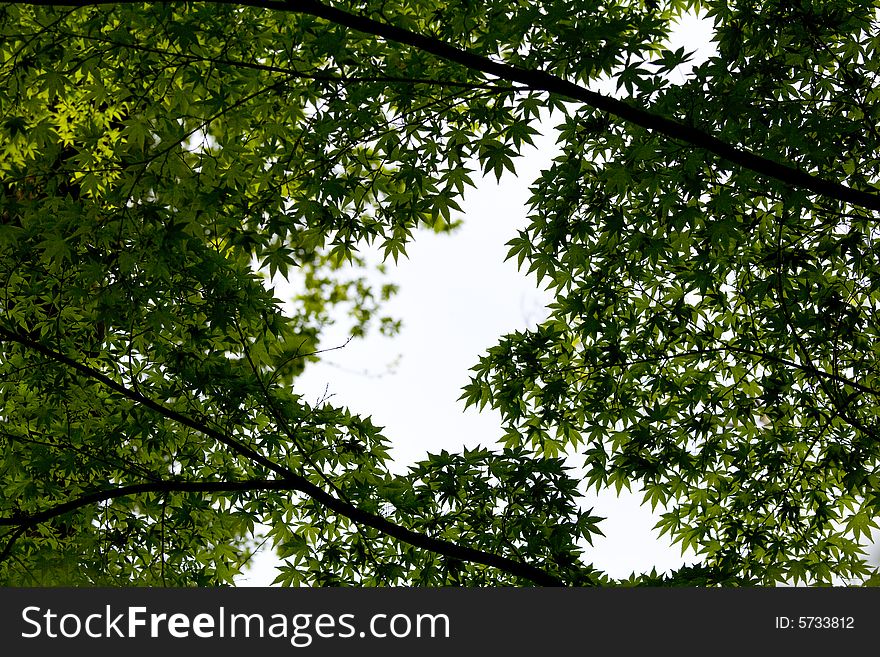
304,75
294,481
542,81
95,497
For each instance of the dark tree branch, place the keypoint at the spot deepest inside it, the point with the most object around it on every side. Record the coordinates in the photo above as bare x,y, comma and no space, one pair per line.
542,81
96,497
316,76
539,80
807,368
294,481
14,535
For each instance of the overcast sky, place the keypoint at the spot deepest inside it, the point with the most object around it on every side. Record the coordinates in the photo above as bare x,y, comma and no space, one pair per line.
457,297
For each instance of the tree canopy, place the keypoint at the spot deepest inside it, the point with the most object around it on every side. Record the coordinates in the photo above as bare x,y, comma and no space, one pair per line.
709,240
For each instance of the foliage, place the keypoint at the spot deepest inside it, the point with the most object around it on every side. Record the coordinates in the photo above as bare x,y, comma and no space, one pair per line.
712,340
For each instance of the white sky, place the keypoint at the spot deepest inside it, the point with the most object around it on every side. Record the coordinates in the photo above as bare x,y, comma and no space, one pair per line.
457,297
